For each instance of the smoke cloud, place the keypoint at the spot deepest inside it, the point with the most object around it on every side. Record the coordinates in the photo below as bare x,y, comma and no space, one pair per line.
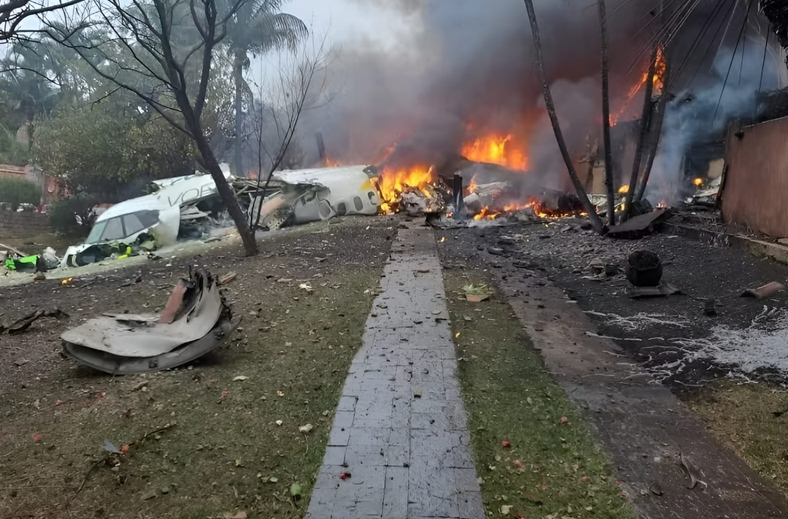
468,69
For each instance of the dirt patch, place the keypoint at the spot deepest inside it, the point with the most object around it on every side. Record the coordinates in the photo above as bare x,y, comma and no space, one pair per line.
532,447
235,444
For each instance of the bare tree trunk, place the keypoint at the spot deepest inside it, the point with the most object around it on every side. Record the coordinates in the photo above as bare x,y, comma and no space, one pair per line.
645,122
550,105
590,159
228,196
611,188
656,132
238,146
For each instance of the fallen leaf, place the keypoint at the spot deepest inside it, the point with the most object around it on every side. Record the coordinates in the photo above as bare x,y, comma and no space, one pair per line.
225,393
476,298
240,378
306,429
505,509
37,437
518,464
58,402
457,336
273,480
295,490
124,449
239,463
280,393
506,444
278,422
565,421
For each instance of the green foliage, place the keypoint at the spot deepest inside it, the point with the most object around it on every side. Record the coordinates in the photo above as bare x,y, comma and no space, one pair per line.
11,151
111,150
62,215
15,191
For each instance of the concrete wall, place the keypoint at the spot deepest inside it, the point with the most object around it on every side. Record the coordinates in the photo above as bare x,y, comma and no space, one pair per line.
22,224
756,185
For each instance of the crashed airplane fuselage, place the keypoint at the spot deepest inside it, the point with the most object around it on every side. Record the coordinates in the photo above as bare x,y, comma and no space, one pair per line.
158,215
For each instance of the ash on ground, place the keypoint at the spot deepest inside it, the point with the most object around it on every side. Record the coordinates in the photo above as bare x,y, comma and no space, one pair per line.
686,340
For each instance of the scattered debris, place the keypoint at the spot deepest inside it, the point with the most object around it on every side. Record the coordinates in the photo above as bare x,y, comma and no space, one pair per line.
240,378
223,280
665,289
764,291
24,323
637,226
692,472
477,293
641,320
127,343
344,475
306,429
644,269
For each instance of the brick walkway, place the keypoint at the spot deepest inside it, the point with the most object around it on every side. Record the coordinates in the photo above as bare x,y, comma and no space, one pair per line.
400,428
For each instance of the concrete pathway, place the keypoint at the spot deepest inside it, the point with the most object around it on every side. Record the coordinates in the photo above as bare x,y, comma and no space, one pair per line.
400,428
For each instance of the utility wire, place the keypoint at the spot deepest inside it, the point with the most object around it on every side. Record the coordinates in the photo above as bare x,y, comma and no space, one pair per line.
711,44
763,65
733,56
699,38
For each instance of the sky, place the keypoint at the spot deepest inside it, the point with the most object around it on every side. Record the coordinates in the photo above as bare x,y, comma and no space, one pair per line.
349,20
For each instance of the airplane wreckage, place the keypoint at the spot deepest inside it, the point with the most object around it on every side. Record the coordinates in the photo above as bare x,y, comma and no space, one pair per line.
190,207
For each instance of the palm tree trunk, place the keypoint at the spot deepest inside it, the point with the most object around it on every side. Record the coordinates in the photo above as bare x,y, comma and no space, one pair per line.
645,122
611,188
238,60
656,131
550,105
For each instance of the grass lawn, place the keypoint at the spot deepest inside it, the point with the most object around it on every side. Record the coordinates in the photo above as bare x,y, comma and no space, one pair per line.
533,451
742,416
233,445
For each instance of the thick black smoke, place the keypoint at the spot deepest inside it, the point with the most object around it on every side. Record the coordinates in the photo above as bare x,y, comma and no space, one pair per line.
469,69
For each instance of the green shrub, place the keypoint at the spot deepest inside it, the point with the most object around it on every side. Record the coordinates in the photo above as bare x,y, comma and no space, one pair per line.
63,213
15,191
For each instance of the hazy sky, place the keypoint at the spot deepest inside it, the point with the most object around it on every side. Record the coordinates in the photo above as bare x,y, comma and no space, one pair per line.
349,20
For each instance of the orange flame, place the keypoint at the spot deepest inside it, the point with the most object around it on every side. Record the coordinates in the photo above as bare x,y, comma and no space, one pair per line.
392,182
495,149
472,186
486,214
659,74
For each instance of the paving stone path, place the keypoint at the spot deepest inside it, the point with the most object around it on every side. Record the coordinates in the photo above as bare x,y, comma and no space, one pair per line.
400,430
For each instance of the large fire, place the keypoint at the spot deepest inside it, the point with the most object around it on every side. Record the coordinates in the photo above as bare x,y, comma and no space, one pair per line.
496,149
659,74
392,183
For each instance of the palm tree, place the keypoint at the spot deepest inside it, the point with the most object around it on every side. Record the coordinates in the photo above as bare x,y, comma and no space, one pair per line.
27,83
257,28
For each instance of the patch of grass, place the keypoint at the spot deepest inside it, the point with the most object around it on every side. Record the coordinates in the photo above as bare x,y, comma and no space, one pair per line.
551,466
228,452
741,416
